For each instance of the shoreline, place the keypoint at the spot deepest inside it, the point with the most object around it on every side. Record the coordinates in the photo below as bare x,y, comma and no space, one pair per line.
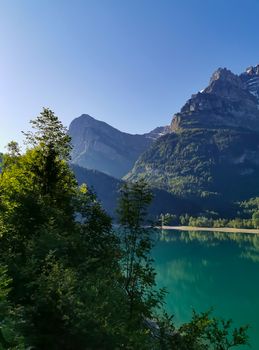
218,229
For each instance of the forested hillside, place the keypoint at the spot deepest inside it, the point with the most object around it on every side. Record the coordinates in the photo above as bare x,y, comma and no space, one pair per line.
211,155
107,188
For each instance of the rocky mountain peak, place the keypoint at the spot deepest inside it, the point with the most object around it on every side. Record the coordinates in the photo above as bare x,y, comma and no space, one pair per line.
251,80
229,100
222,81
86,116
224,74
98,145
85,120
253,70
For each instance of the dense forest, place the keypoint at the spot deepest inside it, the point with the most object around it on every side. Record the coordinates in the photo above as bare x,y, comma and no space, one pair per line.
68,280
202,165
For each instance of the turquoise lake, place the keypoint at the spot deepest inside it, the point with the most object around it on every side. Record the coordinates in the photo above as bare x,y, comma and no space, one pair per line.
201,270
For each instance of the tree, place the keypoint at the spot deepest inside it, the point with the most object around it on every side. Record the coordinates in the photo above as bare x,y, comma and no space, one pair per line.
10,338
49,134
139,274
59,249
203,332
255,219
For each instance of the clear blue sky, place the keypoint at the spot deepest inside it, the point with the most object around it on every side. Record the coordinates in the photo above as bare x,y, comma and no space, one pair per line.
131,63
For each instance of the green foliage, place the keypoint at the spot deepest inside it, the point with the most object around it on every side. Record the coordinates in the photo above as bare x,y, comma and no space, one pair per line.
204,221
250,206
50,134
138,272
10,318
59,249
68,282
184,219
204,332
168,219
202,165
255,219
13,149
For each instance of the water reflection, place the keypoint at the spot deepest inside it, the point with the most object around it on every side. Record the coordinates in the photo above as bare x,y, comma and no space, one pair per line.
248,243
210,269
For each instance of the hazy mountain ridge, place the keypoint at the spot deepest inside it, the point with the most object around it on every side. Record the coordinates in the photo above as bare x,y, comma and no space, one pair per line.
97,145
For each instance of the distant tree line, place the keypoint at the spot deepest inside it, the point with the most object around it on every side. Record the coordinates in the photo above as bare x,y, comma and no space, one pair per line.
209,221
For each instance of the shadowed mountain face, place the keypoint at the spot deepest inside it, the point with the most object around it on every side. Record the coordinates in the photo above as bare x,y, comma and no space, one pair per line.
107,190
97,145
212,153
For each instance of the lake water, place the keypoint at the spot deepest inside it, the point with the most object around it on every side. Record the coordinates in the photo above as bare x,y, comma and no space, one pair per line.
201,270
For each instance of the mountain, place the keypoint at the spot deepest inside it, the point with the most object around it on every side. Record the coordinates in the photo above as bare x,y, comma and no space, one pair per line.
227,102
97,145
107,191
251,80
104,186
211,155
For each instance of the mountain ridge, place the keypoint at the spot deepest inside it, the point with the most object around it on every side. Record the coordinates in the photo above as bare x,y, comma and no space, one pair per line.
227,101
97,145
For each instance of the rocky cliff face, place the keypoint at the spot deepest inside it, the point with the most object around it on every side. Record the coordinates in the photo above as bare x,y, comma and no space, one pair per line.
212,152
97,145
228,101
251,80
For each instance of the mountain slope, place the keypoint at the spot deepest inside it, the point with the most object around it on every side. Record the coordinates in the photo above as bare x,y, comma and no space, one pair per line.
104,186
97,145
107,191
211,155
